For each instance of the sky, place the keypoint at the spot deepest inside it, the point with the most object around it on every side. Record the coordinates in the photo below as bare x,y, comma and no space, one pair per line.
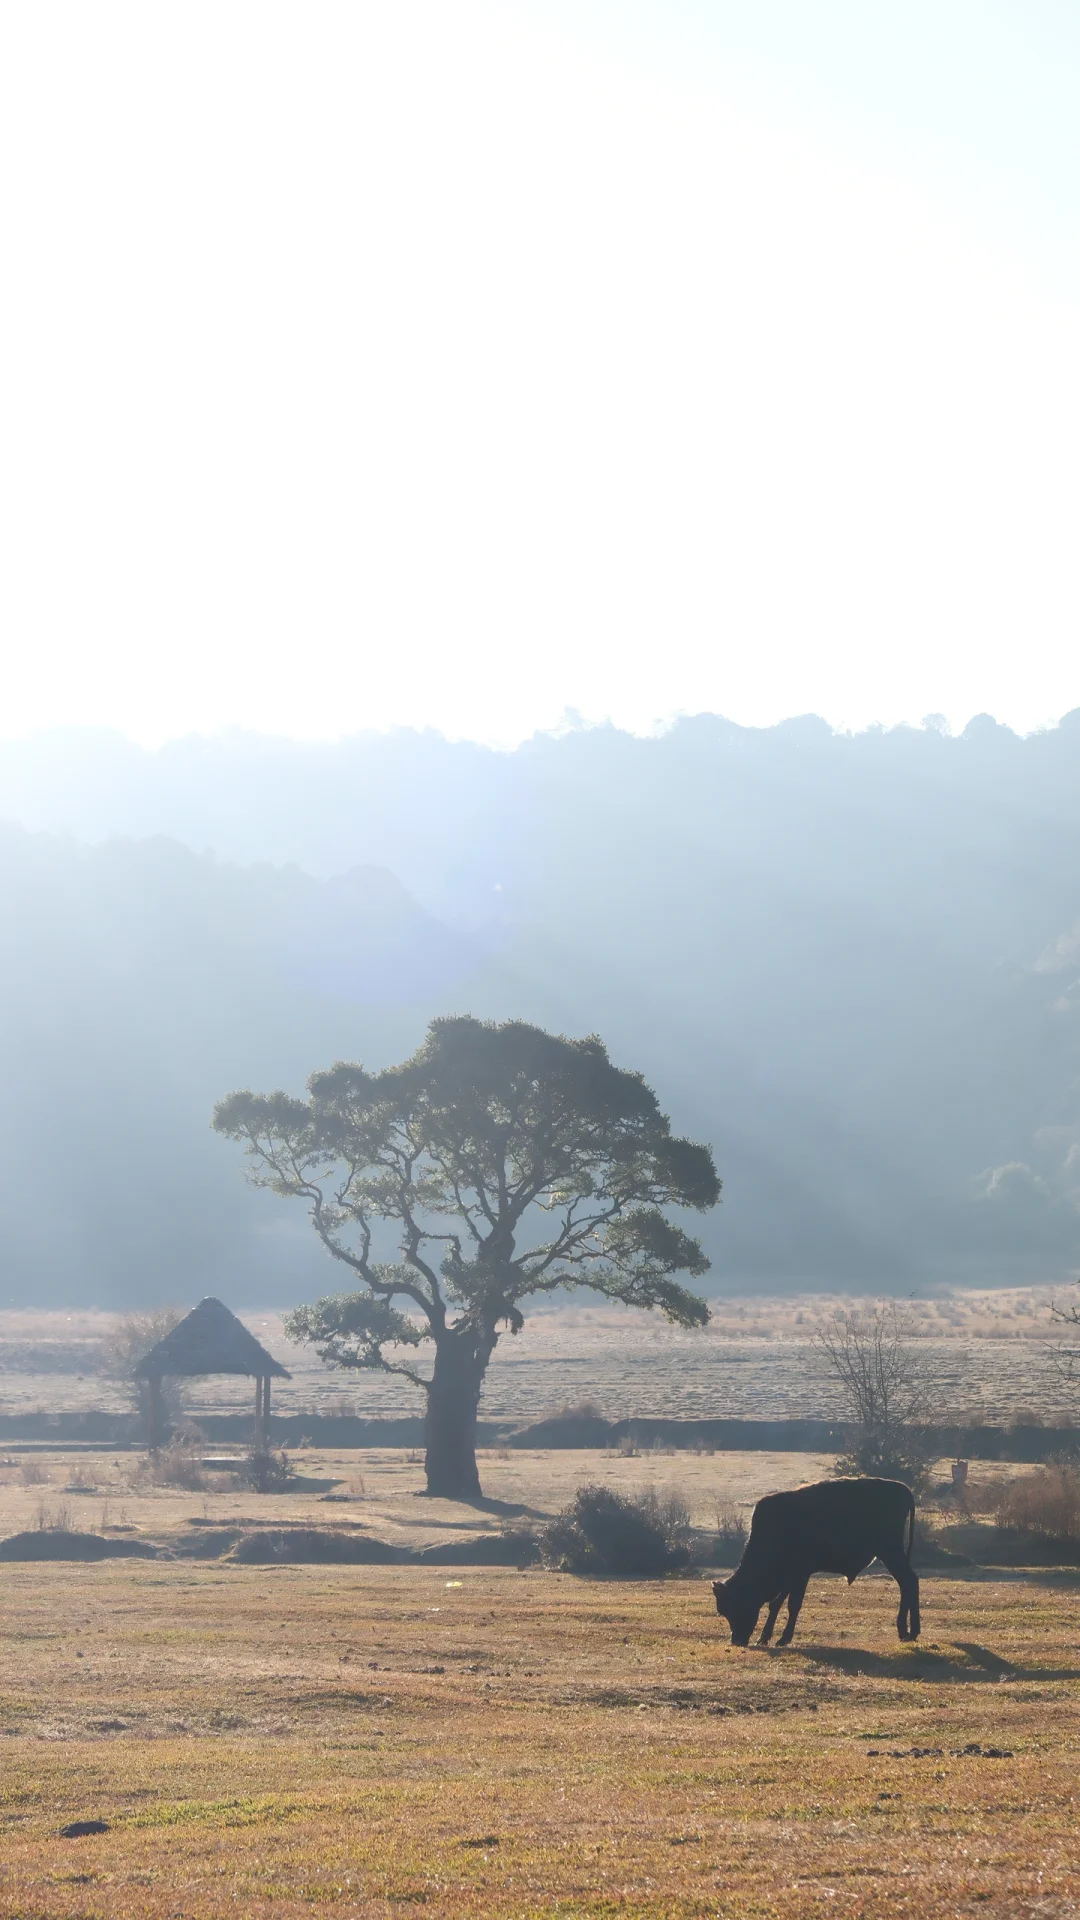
471,365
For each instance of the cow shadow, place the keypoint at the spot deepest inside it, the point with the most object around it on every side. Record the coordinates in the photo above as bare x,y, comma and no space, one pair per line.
966,1663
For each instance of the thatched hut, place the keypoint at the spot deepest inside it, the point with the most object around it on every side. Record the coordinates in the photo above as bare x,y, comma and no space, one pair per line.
210,1340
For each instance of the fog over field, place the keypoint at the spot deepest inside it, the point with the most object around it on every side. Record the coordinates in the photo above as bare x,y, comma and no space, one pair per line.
851,962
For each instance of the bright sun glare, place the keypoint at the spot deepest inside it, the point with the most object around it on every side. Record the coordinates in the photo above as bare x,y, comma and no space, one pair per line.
453,366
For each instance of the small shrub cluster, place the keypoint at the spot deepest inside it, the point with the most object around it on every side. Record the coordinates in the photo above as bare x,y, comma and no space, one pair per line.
176,1465
82,1479
129,1342
983,1496
1045,1502
602,1531
265,1471
731,1534
54,1519
901,1453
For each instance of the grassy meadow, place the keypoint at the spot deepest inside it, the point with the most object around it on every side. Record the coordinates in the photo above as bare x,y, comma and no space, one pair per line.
373,1741
991,1353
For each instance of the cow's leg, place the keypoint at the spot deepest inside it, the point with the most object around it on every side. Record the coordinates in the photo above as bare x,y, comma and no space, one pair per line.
907,1620
774,1608
796,1596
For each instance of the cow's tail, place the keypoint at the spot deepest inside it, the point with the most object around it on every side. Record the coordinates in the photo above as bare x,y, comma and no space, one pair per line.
910,1522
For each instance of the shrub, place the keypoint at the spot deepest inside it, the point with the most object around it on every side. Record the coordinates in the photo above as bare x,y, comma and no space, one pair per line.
82,1479
983,1496
731,1534
58,1520
172,1466
129,1341
1045,1502
890,1390
33,1474
602,1531
266,1472
667,1509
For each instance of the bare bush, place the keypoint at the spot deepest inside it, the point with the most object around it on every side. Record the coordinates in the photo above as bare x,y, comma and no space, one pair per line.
1046,1502
668,1510
265,1471
82,1479
172,1466
128,1343
54,1519
889,1385
602,1531
731,1534
1066,1358
33,1474
984,1496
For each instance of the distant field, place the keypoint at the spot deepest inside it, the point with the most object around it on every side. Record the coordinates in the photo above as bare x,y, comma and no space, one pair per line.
373,1742
993,1352
106,1492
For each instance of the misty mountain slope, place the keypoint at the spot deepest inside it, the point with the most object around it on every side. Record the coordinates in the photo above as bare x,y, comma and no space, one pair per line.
850,963
138,983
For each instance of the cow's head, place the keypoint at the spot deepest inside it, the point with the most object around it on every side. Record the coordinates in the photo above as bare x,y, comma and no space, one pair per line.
740,1613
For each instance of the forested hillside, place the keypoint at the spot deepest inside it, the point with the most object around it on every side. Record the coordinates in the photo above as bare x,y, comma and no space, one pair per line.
852,963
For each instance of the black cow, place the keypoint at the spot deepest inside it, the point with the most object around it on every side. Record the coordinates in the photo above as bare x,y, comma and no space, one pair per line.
834,1526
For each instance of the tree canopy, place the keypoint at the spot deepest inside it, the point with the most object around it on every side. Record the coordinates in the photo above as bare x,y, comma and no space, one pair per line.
511,1162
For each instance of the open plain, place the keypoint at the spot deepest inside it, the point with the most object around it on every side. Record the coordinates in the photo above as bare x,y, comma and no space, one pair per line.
463,1741
992,1355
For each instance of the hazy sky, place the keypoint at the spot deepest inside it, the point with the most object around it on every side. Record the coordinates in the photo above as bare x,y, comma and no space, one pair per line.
458,362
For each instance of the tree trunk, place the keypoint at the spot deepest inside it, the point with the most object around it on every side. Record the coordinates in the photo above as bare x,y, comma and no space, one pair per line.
450,1424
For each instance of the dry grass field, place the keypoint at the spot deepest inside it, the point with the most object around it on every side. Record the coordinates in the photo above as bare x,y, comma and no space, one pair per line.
991,1352
379,1741
458,1741
378,1491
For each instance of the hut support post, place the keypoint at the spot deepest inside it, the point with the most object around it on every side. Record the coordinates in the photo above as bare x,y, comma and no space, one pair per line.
154,1421
262,1410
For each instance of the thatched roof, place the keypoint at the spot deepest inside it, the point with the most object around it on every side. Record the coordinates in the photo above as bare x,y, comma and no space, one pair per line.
210,1340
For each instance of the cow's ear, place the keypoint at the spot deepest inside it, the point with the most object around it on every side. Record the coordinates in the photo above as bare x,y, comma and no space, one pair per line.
719,1587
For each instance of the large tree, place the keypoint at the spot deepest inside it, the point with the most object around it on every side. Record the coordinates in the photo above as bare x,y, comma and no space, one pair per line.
511,1162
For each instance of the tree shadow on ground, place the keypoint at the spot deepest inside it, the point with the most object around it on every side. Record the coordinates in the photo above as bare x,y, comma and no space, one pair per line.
503,1509
426,1521
974,1664
508,1509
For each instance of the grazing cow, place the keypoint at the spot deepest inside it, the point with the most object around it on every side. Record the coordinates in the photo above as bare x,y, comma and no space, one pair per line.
834,1526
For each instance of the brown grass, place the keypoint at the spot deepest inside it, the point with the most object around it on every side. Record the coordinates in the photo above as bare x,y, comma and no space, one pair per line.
525,1488
992,1348
375,1741
371,1741
1045,1502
